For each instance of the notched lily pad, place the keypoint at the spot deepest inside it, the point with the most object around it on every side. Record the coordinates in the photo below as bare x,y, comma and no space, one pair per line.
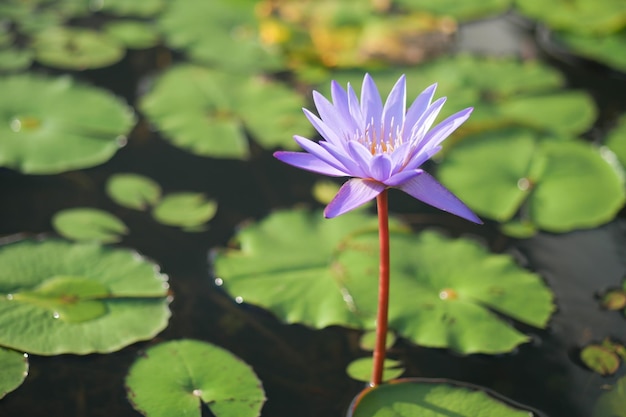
606,49
144,8
76,48
420,397
554,184
318,272
133,34
133,190
616,140
44,131
209,112
177,377
61,297
89,224
361,369
600,359
14,367
185,209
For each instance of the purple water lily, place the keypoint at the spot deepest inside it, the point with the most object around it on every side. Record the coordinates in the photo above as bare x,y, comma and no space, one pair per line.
381,146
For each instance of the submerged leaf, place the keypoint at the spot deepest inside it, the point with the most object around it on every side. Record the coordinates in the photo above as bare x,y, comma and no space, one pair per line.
89,224
60,297
174,378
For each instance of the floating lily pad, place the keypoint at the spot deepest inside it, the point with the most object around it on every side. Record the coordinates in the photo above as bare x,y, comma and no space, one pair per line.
318,272
325,190
179,377
612,403
143,8
133,34
209,112
13,59
51,125
459,9
421,398
133,190
222,33
368,340
607,49
361,369
502,91
582,16
89,224
187,210
616,140
614,300
76,48
558,185
600,359
60,297
14,367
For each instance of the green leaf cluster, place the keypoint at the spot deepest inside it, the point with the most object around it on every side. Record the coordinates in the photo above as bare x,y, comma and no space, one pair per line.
443,290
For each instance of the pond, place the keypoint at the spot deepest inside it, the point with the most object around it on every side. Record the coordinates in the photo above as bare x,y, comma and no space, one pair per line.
143,208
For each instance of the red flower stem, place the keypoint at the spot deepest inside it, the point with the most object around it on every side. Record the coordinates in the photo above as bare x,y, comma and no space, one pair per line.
383,289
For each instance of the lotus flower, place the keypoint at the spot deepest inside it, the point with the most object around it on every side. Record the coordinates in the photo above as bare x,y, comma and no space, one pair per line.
380,146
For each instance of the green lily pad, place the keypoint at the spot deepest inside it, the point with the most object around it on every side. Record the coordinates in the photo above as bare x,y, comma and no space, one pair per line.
76,48
616,140
324,191
361,369
46,131
459,9
89,224
133,34
209,112
503,92
181,376
221,33
14,60
144,8
582,16
612,403
607,49
14,367
557,185
61,297
444,291
422,398
186,210
309,270
614,300
368,340
600,359
133,190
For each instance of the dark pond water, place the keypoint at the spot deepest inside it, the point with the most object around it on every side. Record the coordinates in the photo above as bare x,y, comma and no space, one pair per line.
303,369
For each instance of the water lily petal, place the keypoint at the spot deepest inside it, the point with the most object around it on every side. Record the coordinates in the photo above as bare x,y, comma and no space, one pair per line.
402,177
393,111
326,132
445,128
380,167
308,162
354,193
319,152
371,103
427,189
329,114
419,157
417,109
425,122
360,154
355,109
353,167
